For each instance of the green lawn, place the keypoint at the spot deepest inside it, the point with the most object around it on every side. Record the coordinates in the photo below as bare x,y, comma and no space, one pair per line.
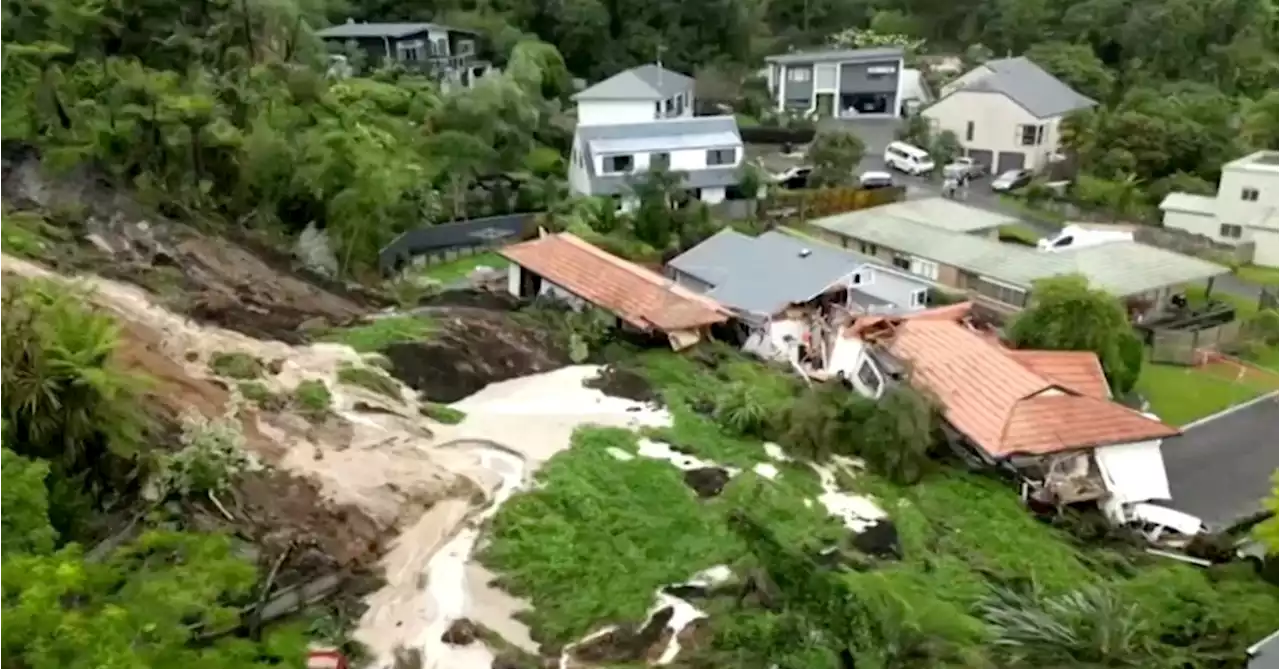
456,270
591,543
376,335
1262,276
1180,395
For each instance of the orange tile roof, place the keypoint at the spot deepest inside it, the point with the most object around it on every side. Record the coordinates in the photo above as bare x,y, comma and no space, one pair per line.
1002,404
1078,371
641,297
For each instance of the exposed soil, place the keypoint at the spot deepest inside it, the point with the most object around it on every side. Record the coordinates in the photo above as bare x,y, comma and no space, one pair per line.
625,383
461,633
707,481
626,643
879,540
472,349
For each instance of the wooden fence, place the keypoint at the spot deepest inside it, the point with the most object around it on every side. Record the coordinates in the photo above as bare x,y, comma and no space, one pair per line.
816,203
1184,347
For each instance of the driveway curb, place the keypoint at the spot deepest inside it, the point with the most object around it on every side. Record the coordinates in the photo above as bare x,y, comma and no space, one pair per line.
1229,410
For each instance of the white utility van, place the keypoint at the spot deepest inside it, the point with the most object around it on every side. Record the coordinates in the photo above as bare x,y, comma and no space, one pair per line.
906,158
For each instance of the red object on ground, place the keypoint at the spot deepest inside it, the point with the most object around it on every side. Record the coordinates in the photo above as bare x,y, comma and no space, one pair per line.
327,659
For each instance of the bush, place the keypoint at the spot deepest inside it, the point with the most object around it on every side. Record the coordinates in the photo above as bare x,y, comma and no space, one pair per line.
313,399
442,414
236,365
258,393
1263,326
369,379
212,454
741,409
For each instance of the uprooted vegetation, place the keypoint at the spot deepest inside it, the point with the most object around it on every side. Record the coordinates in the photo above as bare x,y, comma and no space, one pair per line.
976,580
370,379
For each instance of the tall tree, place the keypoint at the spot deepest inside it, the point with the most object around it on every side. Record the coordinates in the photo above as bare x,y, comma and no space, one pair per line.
835,155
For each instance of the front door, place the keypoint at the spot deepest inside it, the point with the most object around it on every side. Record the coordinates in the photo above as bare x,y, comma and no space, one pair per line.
825,105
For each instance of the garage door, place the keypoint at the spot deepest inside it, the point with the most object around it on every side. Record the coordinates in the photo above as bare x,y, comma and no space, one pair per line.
981,156
1010,160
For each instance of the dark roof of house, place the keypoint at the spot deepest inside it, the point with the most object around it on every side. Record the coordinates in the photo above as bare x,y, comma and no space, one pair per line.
837,56
1219,469
684,133
357,30
1027,84
475,232
645,82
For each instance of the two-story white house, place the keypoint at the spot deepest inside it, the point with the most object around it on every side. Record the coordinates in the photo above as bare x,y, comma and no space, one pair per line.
1007,113
642,119
1244,210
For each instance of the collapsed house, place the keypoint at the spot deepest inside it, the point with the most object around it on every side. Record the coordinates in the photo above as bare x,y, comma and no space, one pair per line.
790,296
1047,415
565,267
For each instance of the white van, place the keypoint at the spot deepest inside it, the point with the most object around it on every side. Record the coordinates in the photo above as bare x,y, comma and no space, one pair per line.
906,158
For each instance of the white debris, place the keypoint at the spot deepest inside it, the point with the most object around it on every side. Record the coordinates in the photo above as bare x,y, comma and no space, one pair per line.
856,512
661,451
619,454
766,470
775,452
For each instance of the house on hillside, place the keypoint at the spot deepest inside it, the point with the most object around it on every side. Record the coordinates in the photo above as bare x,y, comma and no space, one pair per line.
1007,113
638,95
838,82
446,53
789,294
564,267
1244,211
1046,414
999,276
706,151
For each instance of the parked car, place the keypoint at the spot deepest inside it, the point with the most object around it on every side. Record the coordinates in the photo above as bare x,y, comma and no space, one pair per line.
872,180
964,167
1011,180
906,158
793,178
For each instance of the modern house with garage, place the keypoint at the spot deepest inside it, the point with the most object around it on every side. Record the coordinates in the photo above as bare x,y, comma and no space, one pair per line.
1007,113
1242,212
838,82
638,95
446,53
1000,276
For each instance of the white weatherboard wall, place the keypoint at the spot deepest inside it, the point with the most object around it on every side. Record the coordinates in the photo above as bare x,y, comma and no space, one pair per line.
615,112
996,120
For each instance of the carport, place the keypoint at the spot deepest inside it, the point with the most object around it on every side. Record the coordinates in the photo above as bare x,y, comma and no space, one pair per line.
1010,160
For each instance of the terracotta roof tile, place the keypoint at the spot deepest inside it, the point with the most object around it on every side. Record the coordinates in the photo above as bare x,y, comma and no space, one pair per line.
639,296
1001,404
1079,371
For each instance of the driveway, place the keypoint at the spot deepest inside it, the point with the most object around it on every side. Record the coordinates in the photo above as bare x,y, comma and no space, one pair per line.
1221,469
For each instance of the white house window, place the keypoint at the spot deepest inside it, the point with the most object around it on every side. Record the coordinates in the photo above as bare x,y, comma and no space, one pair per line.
1039,135
721,157
902,262
880,71
1027,135
679,105
618,164
1249,194
869,379
862,277
798,75
919,297
671,106
1230,231
660,161
412,50
968,131
657,109
925,268
867,249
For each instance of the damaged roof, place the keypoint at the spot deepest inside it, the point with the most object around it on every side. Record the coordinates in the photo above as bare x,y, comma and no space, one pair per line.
1016,402
642,298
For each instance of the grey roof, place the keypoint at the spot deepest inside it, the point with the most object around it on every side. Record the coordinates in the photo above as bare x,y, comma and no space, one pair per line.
1219,469
708,132
1204,205
646,82
938,212
735,265
837,55
1027,84
353,30
1121,268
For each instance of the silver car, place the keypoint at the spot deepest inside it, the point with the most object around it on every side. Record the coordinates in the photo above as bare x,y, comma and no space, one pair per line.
1011,180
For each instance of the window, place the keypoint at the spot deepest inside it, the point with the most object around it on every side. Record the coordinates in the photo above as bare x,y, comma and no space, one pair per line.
919,298
721,157
1249,194
617,164
442,47
671,106
412,50
968,131
1027,135
1064,241
868,377
1230,231
657,109
679,105
867,249
902,262
1039,135
861,277
660,161
466,47
925,268
1001,293
798,74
